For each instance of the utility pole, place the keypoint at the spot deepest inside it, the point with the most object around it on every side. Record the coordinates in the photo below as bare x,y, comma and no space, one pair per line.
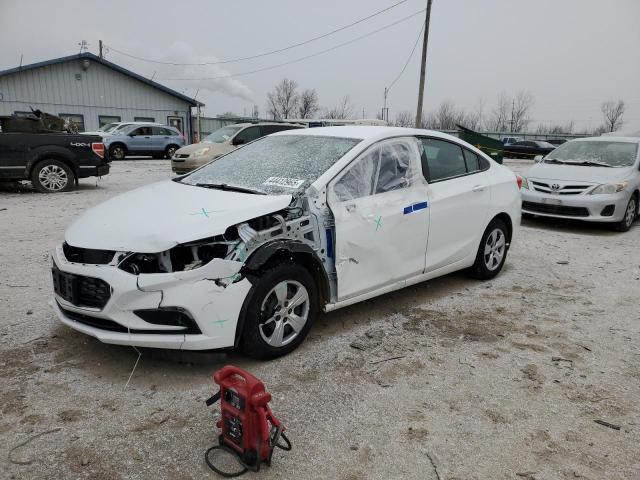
385,110
513,107
100,48
423,65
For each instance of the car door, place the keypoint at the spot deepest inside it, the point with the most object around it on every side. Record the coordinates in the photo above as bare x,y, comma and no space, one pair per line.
381,213
459,196
139,140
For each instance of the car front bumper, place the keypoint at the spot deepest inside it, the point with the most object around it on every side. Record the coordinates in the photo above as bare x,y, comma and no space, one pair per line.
213,305
593,208
186,165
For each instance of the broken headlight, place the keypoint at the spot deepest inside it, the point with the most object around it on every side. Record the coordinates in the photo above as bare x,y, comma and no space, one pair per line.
180,258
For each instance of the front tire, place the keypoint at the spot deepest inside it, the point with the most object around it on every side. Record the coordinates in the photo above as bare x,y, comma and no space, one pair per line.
52,176
629,215
280,312
492,251
117,152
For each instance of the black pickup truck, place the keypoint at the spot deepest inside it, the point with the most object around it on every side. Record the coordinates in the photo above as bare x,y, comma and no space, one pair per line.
53,161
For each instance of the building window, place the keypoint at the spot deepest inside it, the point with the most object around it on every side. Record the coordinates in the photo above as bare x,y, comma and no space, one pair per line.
74,118
144,119
104,119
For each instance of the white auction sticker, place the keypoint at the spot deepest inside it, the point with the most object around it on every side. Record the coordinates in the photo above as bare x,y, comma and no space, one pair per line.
283,182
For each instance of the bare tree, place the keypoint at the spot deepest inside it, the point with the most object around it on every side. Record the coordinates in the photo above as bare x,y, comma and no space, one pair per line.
497,122
405,119
543,129
520,107
283,100
309,105
612,112
343,109
255,113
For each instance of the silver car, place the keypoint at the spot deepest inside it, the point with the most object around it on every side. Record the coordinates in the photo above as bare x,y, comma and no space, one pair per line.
595,179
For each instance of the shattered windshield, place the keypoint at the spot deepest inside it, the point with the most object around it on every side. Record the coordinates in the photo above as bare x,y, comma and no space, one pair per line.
221,135
275,164
612,154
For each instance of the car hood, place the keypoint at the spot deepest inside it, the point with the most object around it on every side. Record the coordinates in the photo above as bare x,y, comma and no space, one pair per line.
159,216
579,173
214,148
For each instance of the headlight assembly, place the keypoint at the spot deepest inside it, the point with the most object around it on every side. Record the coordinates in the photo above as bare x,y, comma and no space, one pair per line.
201,152
609,188
525,183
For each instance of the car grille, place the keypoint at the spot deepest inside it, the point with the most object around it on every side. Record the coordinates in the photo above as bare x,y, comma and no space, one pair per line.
80,290
181,155
87,255
559,188
555,209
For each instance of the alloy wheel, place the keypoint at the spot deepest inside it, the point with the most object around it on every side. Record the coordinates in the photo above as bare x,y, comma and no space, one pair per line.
53,178
284,313
117,153
494,249
170,152
630,214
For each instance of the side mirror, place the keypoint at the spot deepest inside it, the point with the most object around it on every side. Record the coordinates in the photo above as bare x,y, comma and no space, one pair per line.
237,141
538,158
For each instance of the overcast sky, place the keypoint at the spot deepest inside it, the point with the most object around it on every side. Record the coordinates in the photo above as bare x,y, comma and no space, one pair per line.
570,54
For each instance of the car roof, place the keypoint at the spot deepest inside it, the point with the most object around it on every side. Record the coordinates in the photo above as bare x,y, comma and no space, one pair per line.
258,124
365,132
608,139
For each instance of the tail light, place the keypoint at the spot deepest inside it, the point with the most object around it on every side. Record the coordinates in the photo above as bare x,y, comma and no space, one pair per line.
98,149
519,181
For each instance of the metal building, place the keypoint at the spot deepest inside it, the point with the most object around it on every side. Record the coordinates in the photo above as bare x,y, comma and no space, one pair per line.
91,92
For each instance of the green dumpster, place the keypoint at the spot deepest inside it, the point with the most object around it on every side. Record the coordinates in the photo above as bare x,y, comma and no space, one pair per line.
492,147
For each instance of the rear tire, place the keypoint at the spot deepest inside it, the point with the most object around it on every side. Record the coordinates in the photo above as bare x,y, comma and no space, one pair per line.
52,176
629,215
492,251
170,151
280,312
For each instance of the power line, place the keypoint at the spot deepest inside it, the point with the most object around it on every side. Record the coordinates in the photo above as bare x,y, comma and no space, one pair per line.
264,54
408,59
301,58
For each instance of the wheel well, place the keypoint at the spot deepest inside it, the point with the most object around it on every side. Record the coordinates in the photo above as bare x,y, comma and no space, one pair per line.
507,221
117,144
636,193
59,158
171,145
308,261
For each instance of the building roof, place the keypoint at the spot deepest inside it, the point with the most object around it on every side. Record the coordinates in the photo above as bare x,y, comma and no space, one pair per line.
118,68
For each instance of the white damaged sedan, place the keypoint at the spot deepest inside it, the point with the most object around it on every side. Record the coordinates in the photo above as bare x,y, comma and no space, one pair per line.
245,251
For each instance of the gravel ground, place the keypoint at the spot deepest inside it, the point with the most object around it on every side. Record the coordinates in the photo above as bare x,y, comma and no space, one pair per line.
451,379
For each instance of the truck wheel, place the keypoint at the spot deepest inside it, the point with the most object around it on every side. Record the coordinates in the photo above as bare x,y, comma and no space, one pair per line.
52,176
629,215
117,152
170,151
492,251
280,312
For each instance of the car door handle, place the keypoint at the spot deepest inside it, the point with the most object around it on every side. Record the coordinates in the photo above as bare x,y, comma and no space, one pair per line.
478,188
350,207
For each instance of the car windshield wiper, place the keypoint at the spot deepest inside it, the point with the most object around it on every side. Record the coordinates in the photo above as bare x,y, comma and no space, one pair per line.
590,163
231,188
553,160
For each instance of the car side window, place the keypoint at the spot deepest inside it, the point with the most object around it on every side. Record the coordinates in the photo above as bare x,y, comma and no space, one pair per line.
162,131
248,135
473,161
142,131
381,169
444,159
